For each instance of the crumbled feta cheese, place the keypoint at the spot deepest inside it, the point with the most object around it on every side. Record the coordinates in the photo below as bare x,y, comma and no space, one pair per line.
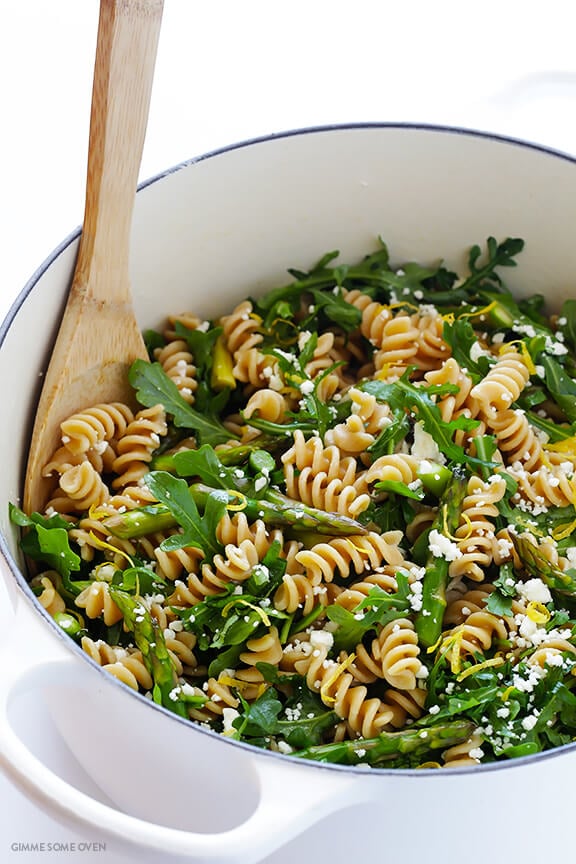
228,717
424,445
534,591
321,638
441,547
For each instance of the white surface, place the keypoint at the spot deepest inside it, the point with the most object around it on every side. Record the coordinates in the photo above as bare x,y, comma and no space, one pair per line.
228,71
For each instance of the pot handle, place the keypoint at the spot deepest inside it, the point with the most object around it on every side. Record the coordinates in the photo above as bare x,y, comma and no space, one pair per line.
288,802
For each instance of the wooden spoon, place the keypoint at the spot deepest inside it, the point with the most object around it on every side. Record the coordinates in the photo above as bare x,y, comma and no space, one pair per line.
99,337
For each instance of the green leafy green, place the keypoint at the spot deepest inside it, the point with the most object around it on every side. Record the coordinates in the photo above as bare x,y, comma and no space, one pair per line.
198,531
153,387
47,540
377,608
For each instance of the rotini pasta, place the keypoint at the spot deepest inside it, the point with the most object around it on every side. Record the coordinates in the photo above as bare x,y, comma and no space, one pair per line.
343,526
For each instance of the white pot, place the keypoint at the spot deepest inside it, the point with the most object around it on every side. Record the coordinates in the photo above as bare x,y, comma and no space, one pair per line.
206,234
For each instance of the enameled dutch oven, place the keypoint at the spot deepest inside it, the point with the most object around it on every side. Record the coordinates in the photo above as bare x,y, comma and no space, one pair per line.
207,234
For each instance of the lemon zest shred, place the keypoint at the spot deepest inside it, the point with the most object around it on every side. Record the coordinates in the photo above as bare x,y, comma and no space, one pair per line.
436,644
101,544
382,373
232,682
522,350
96,513
494,661
243,500
449,317
447,642
357,548
241,602
567,446
455,655
466,520
564,530
483,311
429,765
453,537
333,677
537,612
291,340
506,694
255,317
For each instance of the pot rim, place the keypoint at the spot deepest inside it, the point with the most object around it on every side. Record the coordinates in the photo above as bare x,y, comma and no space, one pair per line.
73,646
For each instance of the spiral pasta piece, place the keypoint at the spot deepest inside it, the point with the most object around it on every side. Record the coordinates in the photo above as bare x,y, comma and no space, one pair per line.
432,350
476,634
516,438
49,598
95,426
83,488
177,362
298,593
396,467
345,555
464,755
365,716
399,345
475,534
240,328
263,649
97,603
268,404
503,383
350,437
406,704
397,650
136,446
357,592
314,454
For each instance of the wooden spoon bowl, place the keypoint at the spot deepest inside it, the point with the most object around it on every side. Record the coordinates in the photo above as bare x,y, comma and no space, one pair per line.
99,336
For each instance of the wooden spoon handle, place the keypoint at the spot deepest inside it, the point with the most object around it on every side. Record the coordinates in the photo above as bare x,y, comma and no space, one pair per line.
124,69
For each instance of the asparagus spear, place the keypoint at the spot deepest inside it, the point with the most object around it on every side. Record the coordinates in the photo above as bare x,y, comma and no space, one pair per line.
428,621
275,509
236,455
150,640
539,566
388,745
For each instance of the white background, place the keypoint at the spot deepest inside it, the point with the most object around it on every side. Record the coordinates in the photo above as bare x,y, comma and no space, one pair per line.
230,70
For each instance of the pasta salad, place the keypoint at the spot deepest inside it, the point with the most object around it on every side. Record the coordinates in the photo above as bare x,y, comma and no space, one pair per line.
338,522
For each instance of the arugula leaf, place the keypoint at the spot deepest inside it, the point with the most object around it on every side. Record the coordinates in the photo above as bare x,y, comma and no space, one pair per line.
460,336
497,255
139,580
391,435
399,488
561,387
205,464
259,718
47,541
198,531
377,608
153,387
201,344
336,310
403,393
500,601
568,314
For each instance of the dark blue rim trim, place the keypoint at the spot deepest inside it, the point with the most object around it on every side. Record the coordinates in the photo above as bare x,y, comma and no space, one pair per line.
23,584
